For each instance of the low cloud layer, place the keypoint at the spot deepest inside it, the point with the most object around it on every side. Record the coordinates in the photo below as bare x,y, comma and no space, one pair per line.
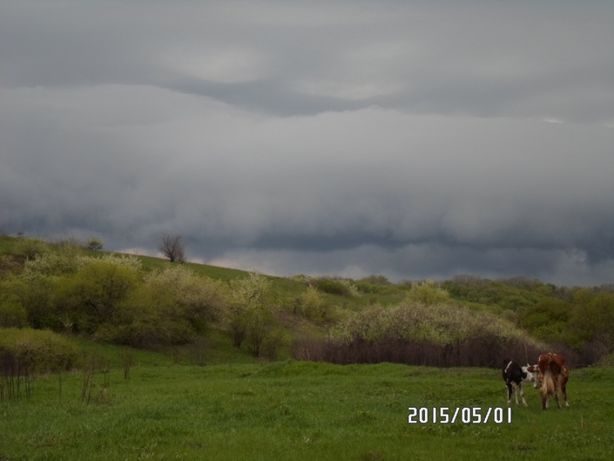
348,138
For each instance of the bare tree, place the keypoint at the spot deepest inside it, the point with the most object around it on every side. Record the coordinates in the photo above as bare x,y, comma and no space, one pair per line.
171,246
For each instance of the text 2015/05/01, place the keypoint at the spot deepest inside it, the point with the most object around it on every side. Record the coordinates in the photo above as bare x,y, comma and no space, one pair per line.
466,415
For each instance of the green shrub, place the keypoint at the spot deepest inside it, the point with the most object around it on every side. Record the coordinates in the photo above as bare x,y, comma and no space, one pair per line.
30,248
311,305
52,263
594,320
427,293
340,287
259,326
376,280
250,317
12,313
9,264
606,360
37,350
92,295
94,244
171,307
272,343
438,324
35,293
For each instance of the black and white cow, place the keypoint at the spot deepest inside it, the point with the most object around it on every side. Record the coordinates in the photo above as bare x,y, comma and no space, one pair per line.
514,375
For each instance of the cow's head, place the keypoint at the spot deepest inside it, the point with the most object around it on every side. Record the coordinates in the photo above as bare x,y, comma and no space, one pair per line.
527,373
536,376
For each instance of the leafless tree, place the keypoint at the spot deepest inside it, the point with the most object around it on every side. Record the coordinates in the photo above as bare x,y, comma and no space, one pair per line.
172,247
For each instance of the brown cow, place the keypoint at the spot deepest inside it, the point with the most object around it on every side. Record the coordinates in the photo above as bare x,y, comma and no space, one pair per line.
552,377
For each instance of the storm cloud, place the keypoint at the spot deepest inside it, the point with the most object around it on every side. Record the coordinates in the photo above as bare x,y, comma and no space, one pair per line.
411,139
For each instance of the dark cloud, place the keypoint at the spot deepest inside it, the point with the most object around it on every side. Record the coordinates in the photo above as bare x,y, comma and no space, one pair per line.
408,138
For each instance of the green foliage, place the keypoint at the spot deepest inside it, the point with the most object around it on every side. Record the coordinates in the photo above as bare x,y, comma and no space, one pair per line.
547,320
272,343
245,295
170,307
199,299
94,244
555,315
12,313
376,280
9,264
437,324
594,321
607,360
508,294
92,296
35,293
312,305
53,263
427,293
250,317
30,248
37,350
334,286
63,287
259,325
253,290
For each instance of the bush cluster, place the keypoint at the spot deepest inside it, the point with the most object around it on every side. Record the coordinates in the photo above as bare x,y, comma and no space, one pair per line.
335,286
417,333
35,351
110,298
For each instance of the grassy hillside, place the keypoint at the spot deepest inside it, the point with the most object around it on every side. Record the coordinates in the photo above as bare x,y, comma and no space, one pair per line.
579,321
285,288
294,411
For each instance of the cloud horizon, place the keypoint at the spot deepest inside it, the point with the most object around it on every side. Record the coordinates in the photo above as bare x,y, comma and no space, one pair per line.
411,140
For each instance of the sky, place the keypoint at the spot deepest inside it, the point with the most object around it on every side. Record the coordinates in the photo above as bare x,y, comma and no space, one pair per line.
413,139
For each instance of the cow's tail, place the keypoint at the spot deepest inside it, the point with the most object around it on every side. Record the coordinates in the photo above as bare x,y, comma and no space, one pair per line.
548,386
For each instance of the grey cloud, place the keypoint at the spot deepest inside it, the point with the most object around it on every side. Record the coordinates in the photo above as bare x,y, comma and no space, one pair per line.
428,261
264,96
539,59
415,139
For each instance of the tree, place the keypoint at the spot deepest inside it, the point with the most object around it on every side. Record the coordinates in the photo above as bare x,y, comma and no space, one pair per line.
93,296
94,244
173,306
172,247
250,317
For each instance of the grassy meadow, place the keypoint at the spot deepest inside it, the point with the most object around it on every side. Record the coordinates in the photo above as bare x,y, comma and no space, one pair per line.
299,410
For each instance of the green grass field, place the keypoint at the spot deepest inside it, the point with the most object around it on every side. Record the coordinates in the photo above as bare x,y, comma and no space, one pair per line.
299,410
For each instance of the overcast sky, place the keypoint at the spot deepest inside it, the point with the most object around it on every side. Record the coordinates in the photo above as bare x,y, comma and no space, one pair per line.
414,139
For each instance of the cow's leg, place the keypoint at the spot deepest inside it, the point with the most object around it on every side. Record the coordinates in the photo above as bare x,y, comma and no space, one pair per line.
564,385
524,402
565,394
515,391
509,392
